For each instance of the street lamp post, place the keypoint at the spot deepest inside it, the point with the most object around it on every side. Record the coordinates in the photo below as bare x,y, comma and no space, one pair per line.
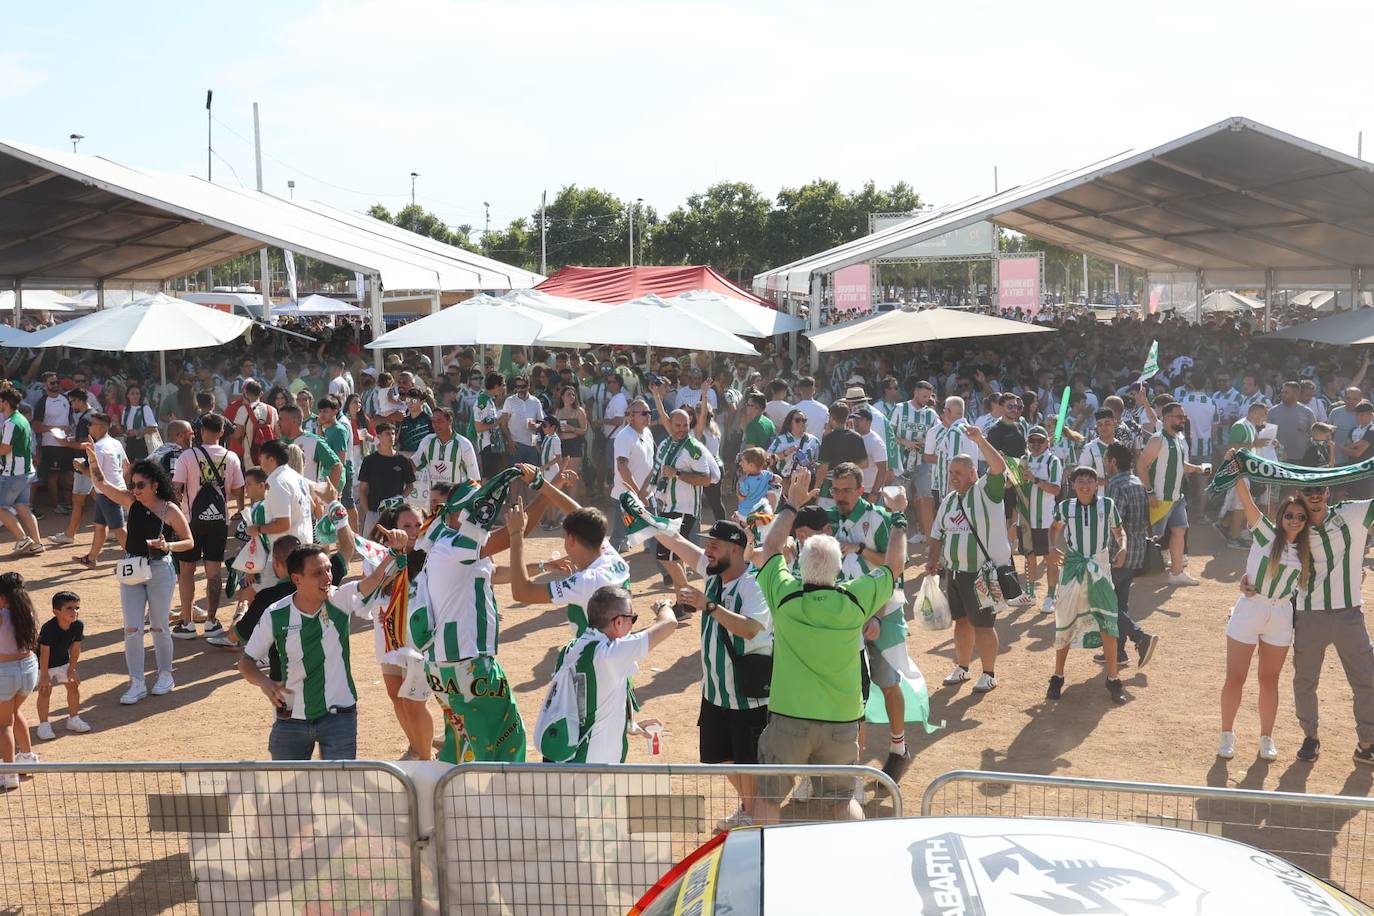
634,208
486,208
291,189
76,138
413,176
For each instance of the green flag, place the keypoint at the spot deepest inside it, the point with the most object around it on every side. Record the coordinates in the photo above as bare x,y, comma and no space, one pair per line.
1151,363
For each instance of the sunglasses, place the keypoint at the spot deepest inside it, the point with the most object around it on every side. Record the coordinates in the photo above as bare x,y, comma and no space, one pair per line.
1294,517
633,618
1313,491
799,420
639,413
140,485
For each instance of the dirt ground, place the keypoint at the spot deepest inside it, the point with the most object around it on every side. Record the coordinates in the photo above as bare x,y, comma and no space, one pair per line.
1167,733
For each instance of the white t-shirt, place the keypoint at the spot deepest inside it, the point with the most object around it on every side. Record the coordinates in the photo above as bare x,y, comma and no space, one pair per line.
638,447
110,458
191,466
817,415
877,451
688,398
288,496
58,413
777,411
521,411
616,407
576,590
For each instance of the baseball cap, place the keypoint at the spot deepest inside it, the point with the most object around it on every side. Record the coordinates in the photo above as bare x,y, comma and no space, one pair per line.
1037,431
731,532
863,412
370,370
813,517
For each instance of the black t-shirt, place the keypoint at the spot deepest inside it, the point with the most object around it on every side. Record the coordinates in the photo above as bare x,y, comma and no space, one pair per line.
1007,439
841,445
386,476
60,641
265,598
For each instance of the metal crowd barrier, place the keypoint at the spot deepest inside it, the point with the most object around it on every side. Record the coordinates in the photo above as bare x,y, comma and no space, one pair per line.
1328,835
582,840
222,838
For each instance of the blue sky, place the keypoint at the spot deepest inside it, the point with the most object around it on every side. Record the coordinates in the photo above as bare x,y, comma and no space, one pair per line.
494,101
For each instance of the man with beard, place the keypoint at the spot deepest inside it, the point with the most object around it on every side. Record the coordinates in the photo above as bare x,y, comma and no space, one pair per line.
1162,465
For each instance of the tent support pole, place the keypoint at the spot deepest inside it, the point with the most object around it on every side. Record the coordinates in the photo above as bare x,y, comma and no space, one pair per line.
434,307
815,319
1197,290
162,364
374,304
1268,297
18,303
99,294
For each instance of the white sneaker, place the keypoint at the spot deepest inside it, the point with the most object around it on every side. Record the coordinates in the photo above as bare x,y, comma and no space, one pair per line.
25,757
21,546
957,676
1048,606
78,725
222,640
803,790
738,819
45,731
1182,578
917,538
9,782
986,682
1226,747
1268,750
135,693
1025,599
61,540
164,684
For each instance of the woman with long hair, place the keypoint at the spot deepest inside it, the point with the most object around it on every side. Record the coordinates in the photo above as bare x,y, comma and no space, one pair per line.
572,430
18,672
411,706
137,421
156,529
1280,563
278,397
794,446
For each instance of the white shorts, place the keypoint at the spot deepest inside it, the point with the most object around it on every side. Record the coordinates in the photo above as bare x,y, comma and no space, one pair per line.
1260,619
58,675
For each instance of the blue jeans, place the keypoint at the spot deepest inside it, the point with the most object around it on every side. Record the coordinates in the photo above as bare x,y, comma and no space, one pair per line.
336,733
14,491
155,598
1128,628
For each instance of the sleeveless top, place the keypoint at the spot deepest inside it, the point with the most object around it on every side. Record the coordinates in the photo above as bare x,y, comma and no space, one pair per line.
143,526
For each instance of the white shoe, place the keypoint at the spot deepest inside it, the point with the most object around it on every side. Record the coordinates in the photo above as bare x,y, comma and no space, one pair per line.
738,819
1048,606
1268,750
21,546
986,682
135,693
222,640
1025,599
25,757
1226,747
1182,578
164,684
957,676
61,540
45,731
78,725
9,781
803,790
917,538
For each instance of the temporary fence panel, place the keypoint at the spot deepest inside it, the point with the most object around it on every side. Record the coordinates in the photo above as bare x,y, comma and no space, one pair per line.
1327,835
221,838
533,839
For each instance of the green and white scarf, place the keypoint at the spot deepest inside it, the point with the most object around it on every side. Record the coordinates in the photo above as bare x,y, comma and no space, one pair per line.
1245,463
640,523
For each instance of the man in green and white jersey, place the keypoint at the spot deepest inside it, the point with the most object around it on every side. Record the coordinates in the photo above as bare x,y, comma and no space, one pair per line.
1162,465
486,432
1094,454
444,456
316,701
1244,433
16,474
911,421
970,530
321,461
337,432
1046,471
682,466
947,440
1329,613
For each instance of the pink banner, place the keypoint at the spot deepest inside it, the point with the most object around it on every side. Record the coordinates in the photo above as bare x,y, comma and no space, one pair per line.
853,288
1018,284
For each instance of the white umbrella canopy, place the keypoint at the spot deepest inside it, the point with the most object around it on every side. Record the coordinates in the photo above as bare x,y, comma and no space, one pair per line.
14,337
738,316
1225,300
483,319
39,300
156,322
1352,328
558,306
906,325
316,304
650,321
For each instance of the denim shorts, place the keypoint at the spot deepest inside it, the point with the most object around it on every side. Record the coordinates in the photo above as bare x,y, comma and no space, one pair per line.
14,490
82,485
1177,518
18,677
108,512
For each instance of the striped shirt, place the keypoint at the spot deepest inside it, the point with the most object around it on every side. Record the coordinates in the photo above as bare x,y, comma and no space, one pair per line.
18,435
602,670
912,423
576,590
1272,580
866,525
454,461
454,615
1201,411
320,459
687,456
719,680
1094,455
1228,404
949,441
484,410
1166,473
313,649
1046,467
1088,528
959,516
807,448
1338,546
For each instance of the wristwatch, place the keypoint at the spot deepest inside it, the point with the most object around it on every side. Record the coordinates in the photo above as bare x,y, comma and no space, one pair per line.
711,607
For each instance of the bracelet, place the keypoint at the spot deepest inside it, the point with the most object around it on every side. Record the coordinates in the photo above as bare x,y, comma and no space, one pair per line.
899,520
785,506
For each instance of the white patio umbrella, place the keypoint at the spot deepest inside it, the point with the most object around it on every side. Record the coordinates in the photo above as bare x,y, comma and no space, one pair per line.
39,300
483,319
912,326
650,321
316,304
14,337
558,306
153,323
739,316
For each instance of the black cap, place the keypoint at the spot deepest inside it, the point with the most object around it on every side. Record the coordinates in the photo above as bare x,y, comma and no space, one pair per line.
813,517
863,413
729,531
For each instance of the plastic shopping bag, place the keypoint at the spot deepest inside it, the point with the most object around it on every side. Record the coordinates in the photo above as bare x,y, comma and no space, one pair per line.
932,605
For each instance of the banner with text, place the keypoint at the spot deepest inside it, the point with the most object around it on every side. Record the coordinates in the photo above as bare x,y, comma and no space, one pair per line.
853,288
1018,284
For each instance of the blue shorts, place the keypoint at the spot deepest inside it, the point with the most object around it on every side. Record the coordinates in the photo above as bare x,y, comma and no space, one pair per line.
14,490
82,485
18,677
922,480
108,512
526,454
1177,518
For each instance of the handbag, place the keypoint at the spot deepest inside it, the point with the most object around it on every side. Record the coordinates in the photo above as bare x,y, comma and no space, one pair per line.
133,571
1154,557
988,583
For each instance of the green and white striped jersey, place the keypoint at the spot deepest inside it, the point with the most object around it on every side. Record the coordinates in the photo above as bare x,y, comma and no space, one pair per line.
1088,527
868,526
719,681
1271,579
687,456
1094,455
602,668
959,516
1338,546
1202,413
1047,467
313,649
320,459
486,411
949,441
454,461
912,423
1228,404
453,611
576,590
18,435
1166,474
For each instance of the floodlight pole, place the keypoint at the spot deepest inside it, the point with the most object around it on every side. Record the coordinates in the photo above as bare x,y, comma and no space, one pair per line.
543,234
262,255
209,168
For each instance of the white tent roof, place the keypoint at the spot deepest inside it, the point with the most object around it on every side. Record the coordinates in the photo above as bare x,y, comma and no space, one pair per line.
902,326
1232,200
40,300
1225,300
747,319
649,321
153,323
77,220
558,306
316,304
483,319
1341,329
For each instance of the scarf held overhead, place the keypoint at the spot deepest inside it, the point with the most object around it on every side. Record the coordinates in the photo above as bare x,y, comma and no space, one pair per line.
1245,463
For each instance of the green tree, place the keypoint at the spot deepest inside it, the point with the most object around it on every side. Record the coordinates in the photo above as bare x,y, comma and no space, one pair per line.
587,226
517,244
724,227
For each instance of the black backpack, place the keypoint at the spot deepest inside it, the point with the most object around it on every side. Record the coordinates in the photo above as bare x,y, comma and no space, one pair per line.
209,504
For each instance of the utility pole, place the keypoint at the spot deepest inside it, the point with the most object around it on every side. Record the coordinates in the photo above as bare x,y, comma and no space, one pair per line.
631,209
209,169
262,255
543,234
413,176
486,229
291,189
76,138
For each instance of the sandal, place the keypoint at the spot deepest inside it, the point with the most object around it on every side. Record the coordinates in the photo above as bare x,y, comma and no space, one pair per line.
85,561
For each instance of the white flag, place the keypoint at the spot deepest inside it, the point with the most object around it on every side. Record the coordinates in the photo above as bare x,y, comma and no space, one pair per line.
1151,363
360,289
291,274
